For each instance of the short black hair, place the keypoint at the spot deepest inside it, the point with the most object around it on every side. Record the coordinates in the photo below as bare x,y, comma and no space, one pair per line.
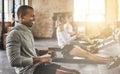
22,10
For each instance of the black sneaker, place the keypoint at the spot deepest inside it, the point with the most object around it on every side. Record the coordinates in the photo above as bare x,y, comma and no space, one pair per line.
114,63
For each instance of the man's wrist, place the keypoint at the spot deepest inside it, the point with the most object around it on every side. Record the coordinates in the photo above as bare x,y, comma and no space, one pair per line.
35,60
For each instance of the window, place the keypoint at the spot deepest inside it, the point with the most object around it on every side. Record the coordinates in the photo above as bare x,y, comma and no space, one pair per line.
6,10
89,10
18,3
118,10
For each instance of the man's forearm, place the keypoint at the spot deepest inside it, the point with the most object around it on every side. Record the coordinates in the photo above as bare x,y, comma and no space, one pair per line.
41,59
35,60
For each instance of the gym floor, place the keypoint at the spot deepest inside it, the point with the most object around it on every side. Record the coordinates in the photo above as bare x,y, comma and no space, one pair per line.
5,68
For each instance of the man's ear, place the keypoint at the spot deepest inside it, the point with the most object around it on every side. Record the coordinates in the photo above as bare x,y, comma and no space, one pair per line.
21,18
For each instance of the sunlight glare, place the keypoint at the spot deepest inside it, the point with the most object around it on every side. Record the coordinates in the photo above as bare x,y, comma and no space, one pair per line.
89,10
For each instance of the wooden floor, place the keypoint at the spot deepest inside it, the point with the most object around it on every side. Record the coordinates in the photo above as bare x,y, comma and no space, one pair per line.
5,68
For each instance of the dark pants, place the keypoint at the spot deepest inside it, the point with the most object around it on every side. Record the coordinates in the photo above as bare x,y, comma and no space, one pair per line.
67,48
46,68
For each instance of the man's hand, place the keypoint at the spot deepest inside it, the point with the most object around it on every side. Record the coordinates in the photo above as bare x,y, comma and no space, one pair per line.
52,53
45,59
42,59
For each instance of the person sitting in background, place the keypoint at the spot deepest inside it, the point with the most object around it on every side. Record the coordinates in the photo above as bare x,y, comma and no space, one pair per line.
21,51
68,26
111,61
116,36
66,39
68,48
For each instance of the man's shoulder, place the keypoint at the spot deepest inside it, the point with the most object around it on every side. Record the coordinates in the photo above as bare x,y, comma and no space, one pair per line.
13,32
15,29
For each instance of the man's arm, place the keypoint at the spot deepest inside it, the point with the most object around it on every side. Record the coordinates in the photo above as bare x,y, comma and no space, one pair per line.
13,50
41,59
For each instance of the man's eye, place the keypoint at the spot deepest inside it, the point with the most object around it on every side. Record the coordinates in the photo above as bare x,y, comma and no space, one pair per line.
33,15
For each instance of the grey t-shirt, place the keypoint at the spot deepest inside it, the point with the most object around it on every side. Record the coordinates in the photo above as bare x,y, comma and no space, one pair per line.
20,49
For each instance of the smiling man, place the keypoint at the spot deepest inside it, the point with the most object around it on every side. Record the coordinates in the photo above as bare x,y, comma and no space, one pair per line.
21,51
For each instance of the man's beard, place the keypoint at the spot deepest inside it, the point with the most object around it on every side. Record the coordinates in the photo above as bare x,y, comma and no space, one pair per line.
30,24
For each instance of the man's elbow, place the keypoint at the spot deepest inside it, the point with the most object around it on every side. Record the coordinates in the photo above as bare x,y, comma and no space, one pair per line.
15,63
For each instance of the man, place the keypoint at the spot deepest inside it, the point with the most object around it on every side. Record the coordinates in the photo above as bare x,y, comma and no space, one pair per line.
21,51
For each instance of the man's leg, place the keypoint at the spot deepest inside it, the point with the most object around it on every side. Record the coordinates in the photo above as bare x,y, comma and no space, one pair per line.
66,50
82,53
50,68
58,71
69,70
88,47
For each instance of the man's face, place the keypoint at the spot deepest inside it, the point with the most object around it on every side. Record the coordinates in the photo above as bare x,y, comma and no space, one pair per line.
29,18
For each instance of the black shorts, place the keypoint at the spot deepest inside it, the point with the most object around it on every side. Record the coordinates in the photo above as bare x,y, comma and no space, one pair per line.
67,48
46,68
